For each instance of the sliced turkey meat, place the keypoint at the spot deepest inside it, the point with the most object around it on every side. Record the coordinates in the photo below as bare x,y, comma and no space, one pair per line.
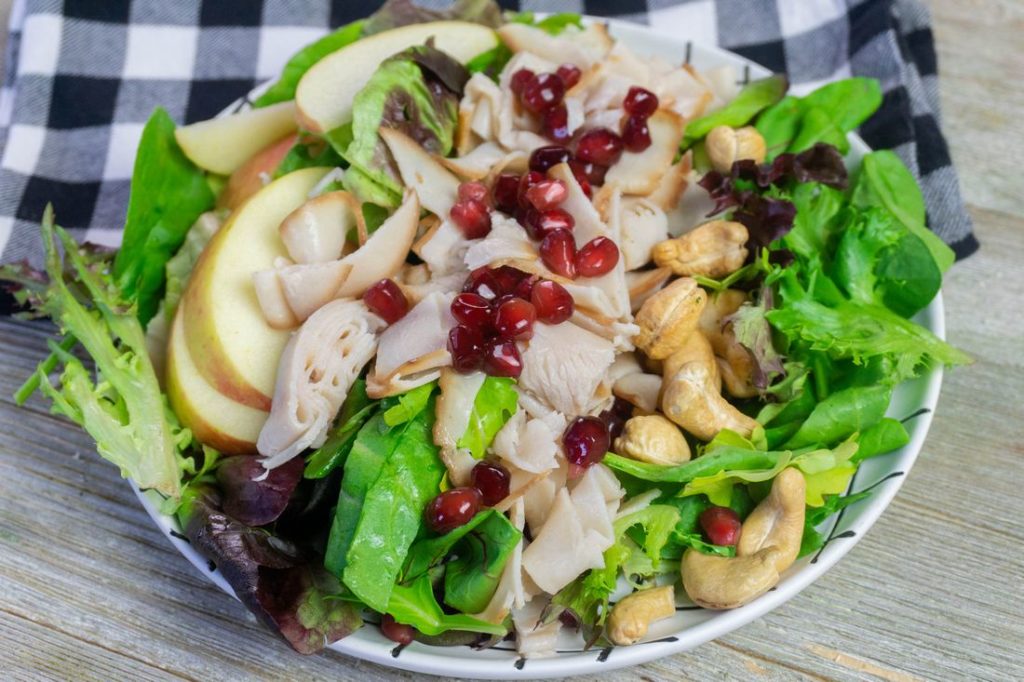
413,350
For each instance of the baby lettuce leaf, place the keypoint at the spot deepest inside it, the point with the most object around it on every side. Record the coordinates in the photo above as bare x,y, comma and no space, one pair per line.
357,409
404,407
168,194
495,403
390,475
429,553
842,414
813,540
816,126
884,181
847,103
751,100
480,557
253,495
310,152
416,605
720,459
123,409
778,125
270,575
303,60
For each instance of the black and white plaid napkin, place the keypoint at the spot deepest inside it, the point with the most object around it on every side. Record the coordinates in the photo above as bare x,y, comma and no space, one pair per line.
82,77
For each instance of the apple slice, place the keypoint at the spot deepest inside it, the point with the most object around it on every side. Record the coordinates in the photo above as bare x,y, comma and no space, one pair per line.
215,420
325,93
248,179
231,342
223,144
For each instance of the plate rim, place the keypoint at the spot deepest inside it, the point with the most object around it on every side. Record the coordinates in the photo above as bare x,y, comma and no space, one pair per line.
432,660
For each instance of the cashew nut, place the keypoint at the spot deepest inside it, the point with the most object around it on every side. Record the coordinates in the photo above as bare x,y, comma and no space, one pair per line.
639,389
736,364
725,146
714,249
691,400
696,348
718,582
653,439
630,618
668,317
778,521
769,543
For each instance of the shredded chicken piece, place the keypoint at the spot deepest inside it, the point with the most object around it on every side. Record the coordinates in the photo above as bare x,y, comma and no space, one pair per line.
564,365
413,350
454,406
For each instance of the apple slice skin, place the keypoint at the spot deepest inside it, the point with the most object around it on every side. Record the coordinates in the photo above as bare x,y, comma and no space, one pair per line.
233,346
215,420
325,93
246,180
223,144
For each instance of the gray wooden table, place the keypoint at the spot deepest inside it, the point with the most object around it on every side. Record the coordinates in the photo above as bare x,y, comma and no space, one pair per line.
89,589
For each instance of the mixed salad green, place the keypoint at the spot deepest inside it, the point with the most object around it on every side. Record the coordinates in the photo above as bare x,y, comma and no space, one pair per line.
837,267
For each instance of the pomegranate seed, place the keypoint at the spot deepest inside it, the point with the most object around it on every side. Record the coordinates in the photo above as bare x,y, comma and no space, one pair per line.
482,281
554,124
721,525
506,192
386,299
519,80
467,348
541,93
597,257
569,619
615,419
395,631
599,145
525,183
474,191
640,102
492,480
543,158
546,194
636,137
524,289
539,224
551,301
452,508
514,319
585,441
558,251
570,74
592,173
501,359
508,278
472,310
472,218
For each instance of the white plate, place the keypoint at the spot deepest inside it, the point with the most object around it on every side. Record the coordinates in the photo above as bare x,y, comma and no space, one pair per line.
690,626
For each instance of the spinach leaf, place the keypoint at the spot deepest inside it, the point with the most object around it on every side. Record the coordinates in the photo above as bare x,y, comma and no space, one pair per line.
842,414
303,60
778,125
812,539
416,605
168,194
309,153
817,126
357,409
908,275
884,181
752,99
848,102
391,511
471,579
885,436
495,403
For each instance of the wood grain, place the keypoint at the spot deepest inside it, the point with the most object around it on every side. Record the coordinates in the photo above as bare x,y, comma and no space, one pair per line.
89,589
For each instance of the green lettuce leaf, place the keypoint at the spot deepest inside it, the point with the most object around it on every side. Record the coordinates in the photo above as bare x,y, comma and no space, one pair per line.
168,194
494,405
416,605
885,436
841,415
480,557
404,407
390,475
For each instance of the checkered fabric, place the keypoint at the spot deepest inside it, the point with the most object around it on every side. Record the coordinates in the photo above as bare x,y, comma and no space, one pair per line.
83,76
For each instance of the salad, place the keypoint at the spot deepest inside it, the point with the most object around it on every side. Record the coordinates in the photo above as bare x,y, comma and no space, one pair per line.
479,326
